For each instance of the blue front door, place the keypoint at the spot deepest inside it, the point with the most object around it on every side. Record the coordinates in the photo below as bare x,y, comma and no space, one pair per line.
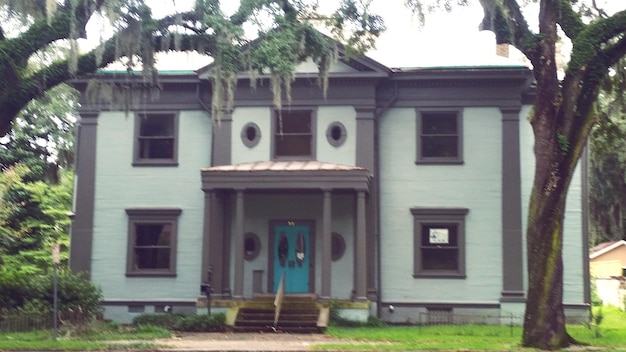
292,256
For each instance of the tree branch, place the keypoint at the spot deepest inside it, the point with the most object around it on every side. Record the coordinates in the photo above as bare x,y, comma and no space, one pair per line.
506,20
569,20
589,42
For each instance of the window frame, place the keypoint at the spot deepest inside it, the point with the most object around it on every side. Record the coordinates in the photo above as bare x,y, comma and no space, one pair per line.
139,161
151,216
438,216
342,137
313,133
250,143
455,160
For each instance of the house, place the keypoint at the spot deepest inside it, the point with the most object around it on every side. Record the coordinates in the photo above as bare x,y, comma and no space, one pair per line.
401,193
607,263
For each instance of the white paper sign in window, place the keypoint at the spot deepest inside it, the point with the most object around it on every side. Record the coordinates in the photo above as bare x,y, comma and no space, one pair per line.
438,236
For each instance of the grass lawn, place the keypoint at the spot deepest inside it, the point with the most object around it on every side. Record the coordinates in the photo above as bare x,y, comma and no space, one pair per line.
609,336
96,338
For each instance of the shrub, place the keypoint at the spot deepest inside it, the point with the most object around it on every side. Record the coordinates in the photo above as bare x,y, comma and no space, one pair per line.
191,323
202,323
163,320
34,294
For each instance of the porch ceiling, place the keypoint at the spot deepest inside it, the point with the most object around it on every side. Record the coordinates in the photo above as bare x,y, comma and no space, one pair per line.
276,175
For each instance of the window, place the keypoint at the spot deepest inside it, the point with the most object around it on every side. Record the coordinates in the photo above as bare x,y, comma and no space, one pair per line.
439,242
152,242
293,134
156,139
250,134
336,134
439,137
337,246
251,246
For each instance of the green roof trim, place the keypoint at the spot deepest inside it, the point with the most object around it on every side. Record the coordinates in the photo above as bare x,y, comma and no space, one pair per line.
460,67
161,72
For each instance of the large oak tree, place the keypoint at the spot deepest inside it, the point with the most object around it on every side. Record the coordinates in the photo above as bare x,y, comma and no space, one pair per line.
286,32
562,118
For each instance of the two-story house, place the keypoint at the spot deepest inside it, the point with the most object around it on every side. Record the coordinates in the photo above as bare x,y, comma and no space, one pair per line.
403,189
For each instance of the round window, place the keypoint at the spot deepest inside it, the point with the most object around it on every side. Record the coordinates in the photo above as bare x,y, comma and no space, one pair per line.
336,134
251,246
337,246
250,134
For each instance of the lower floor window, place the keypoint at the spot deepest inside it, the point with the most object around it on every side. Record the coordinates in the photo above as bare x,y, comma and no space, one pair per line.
439,242
152,241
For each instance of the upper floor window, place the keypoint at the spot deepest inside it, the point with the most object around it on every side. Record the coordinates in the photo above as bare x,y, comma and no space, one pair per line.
152,241
156,139
439,242
439,137
293,134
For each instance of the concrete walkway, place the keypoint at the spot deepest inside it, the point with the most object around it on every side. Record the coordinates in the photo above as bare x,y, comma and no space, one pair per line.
244,342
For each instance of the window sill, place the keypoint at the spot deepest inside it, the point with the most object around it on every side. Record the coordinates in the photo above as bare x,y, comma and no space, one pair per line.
166,163
439,162
439,275
150,274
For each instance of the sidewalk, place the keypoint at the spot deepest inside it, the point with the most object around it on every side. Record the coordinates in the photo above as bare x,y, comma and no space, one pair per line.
244,342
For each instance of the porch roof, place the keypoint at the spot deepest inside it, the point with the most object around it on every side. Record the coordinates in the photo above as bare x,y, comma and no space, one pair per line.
277,175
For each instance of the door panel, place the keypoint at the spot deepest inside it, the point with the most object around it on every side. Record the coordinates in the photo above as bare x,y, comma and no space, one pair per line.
292,256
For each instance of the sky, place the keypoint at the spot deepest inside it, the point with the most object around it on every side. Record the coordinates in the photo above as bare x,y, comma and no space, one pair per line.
448,39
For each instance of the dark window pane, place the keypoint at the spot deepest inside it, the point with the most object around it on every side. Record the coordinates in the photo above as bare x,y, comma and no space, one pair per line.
440,259
293,122
156,148
152,258
440,146
293,135
434,124
157,126
294,145
152,246
153,234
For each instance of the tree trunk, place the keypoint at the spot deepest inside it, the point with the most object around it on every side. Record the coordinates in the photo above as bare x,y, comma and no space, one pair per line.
544,320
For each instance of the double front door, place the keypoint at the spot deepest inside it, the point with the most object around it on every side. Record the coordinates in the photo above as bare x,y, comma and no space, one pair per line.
291,256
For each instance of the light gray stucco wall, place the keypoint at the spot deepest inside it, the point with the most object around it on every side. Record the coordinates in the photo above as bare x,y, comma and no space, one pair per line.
119,186
344,154
475,185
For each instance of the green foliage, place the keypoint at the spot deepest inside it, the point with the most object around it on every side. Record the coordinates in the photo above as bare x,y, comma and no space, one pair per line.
563,143
190,323
42,136
163,320
29,293
33,217
201,323
336,320
607,168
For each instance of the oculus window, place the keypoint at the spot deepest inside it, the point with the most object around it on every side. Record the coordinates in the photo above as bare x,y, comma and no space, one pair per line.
152,237
439,242
250,134
439,137
156,139
251,246
336,134
293,134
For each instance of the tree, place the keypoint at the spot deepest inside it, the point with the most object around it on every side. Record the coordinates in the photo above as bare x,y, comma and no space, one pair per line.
285,31
563,116
42,136
607,171
564,113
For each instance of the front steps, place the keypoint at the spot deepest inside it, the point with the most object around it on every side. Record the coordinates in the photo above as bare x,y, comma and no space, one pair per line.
299,314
